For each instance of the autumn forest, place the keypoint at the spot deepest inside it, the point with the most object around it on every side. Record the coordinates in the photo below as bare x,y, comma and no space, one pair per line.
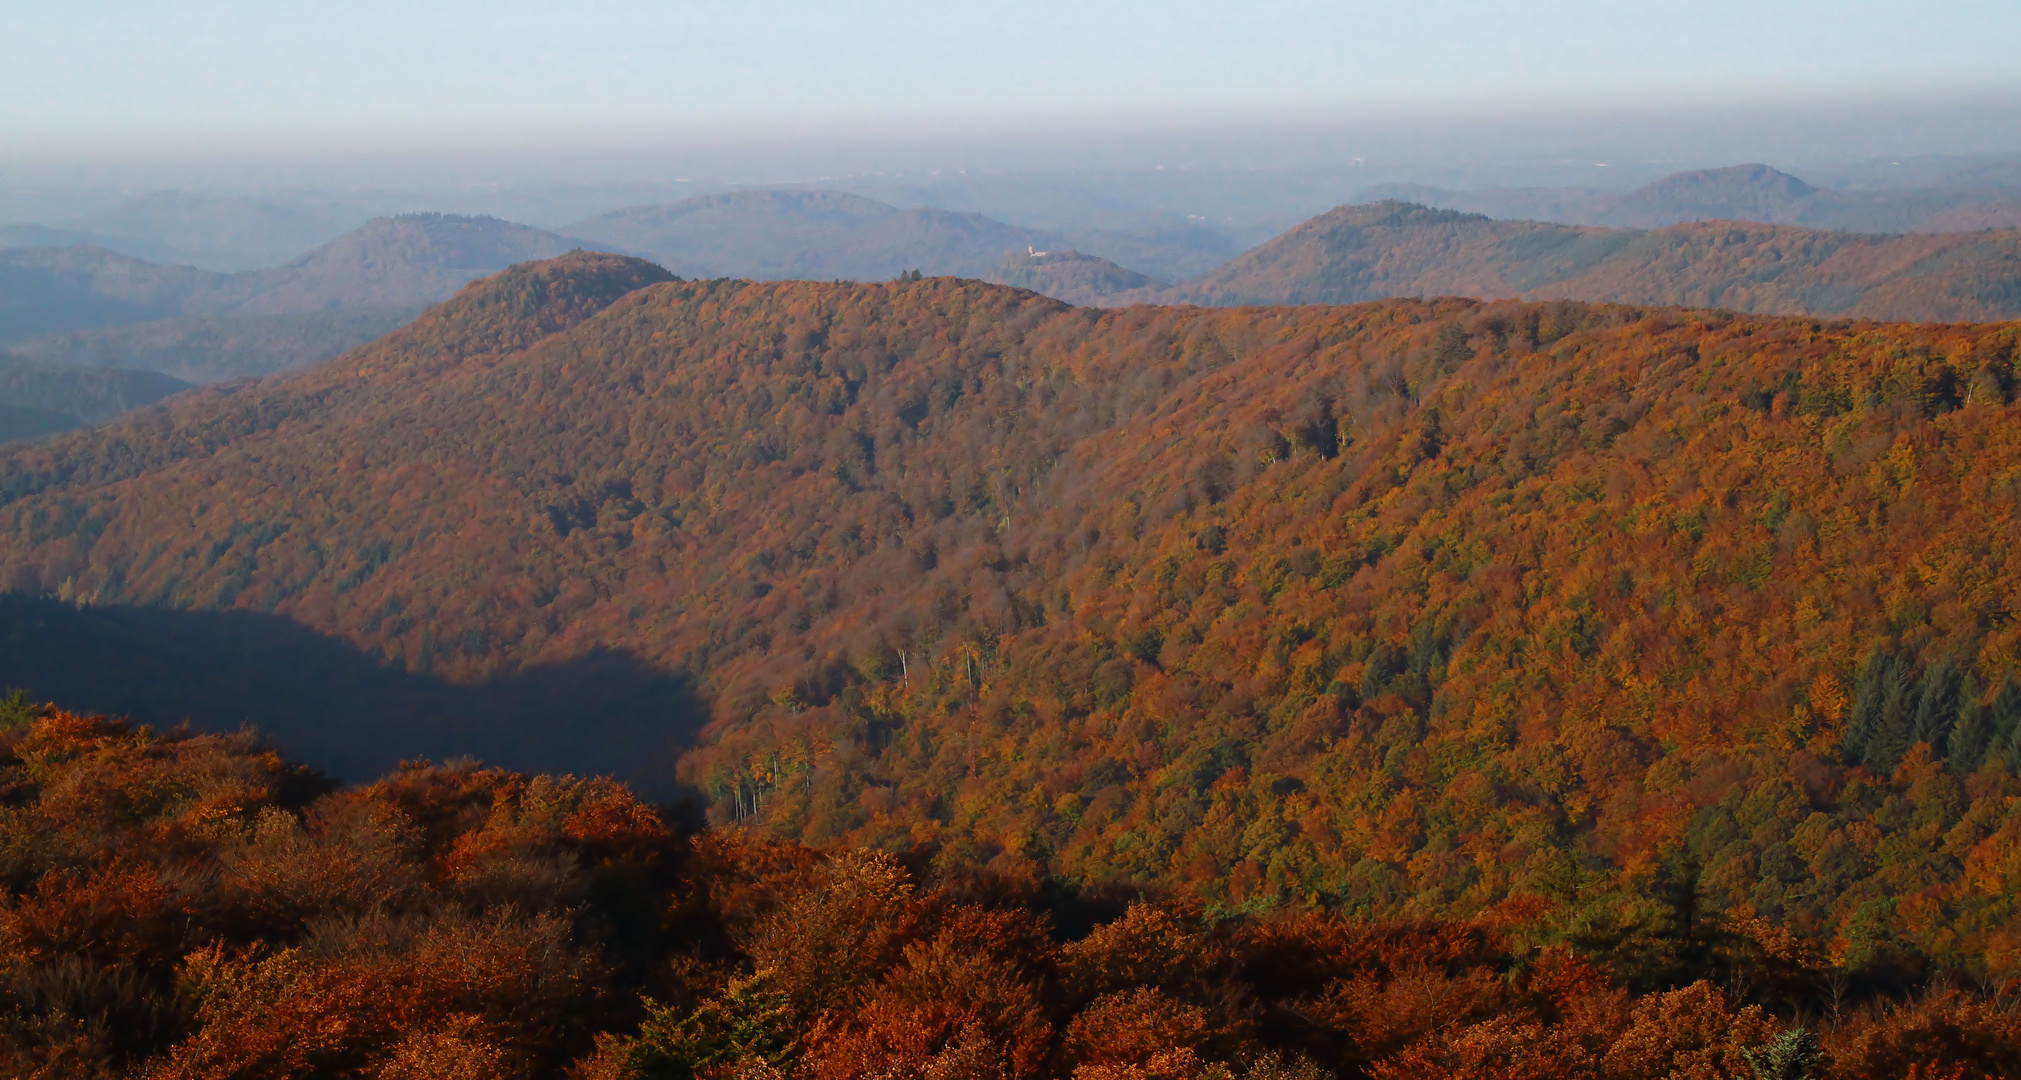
1406,689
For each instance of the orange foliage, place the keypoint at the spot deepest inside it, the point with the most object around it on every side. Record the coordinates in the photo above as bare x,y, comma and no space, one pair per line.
462,922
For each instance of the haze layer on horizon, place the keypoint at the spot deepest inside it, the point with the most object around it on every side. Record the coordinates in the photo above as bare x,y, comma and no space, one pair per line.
111,80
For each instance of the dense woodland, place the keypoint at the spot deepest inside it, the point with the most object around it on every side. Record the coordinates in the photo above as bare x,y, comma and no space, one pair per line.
1679,639
194,906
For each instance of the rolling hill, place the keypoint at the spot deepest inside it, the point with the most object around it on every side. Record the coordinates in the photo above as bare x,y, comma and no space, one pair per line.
1406,608
1367,252
92,305
1742,193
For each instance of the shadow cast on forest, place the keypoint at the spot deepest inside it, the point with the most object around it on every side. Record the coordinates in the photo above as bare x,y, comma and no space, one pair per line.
328,705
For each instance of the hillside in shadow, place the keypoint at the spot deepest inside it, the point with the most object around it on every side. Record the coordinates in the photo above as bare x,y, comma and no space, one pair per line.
341,710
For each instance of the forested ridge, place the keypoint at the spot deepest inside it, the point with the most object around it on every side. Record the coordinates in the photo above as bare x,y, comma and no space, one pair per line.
1624,619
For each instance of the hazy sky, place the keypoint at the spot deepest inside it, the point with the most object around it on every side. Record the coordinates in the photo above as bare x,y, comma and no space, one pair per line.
92,77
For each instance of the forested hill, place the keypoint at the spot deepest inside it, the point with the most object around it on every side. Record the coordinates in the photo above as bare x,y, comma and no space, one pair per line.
1368,252
1409,607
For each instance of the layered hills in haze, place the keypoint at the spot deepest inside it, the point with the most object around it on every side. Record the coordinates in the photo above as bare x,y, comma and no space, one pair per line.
35,236
94,306
828,235
227,233
39,399
822,235
1360,253
1366,252
230,233
1743,193
1412,607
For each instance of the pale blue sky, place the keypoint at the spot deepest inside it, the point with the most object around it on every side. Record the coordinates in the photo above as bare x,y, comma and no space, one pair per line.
114,76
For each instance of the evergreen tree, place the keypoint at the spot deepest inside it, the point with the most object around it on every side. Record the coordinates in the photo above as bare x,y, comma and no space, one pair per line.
1794,1055
1972,733
2003,721
1884,705
1937,697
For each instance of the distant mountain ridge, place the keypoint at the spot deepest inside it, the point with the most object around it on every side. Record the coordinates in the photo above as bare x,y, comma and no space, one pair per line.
1367,252
43,236
1751,192
89,304
226,233
767,234
814,235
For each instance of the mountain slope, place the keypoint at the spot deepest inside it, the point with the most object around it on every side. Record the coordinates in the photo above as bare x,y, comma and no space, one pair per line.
1359,253
1410,607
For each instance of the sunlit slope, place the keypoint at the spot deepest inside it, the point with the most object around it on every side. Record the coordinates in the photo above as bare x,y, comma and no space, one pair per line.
1412,605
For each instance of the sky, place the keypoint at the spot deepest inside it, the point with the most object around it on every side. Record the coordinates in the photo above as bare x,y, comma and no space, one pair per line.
91,79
